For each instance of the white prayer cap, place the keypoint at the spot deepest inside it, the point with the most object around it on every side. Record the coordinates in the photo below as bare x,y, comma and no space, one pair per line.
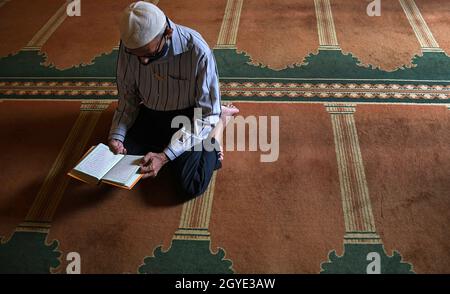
141,22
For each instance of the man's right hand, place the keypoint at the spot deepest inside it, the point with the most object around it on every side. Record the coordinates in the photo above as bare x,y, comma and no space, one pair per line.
116,146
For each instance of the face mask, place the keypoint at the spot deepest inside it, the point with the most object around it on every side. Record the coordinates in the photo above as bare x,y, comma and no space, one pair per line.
160,54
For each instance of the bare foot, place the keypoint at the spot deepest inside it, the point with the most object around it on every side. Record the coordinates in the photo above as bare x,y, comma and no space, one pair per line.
228,111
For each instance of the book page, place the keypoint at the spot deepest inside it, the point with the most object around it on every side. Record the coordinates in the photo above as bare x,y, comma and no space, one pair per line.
124,170
98,162
133,180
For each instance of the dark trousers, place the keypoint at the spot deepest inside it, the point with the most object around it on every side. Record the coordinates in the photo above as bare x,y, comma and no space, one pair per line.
151,132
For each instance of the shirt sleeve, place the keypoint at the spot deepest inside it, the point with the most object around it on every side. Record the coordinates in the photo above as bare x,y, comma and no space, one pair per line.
128,104
208,100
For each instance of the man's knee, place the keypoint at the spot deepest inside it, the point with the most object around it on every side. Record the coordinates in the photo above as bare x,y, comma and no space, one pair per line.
193,188
194,170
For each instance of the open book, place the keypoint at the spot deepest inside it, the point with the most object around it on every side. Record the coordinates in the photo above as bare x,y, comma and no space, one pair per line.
101,165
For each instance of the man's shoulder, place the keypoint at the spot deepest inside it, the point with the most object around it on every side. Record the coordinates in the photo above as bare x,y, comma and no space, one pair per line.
194,40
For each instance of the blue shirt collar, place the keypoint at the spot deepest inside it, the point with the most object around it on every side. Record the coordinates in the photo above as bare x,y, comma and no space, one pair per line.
180,41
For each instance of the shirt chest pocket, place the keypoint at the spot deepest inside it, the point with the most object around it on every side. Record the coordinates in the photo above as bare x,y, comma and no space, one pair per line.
179,91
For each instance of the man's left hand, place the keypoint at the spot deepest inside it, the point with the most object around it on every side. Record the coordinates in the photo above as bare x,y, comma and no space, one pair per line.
152,163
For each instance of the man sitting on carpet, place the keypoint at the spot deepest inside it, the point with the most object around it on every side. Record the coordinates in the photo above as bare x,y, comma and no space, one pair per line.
165,70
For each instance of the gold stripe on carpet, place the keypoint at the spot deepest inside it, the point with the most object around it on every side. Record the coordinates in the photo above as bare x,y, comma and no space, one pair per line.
420,27
195,216
47,30
30,226
358,217
230,24
51,191
325,26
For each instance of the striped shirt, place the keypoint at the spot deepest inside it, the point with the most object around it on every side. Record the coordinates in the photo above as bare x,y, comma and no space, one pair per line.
185,77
